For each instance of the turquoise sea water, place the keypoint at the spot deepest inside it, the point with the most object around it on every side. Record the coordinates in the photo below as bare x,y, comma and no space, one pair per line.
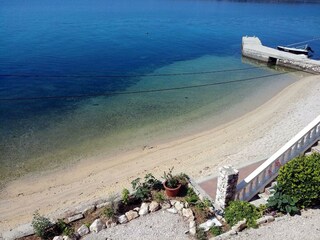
74,48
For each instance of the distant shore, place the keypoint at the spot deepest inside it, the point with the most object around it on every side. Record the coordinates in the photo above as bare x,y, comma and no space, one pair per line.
250,138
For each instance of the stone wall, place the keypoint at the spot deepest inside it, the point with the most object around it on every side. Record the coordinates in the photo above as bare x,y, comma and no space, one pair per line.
226,186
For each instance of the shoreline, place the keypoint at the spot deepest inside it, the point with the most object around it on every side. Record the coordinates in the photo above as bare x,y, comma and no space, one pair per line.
152,119
245,140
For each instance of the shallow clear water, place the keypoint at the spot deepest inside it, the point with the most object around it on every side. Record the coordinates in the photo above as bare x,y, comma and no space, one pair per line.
49,42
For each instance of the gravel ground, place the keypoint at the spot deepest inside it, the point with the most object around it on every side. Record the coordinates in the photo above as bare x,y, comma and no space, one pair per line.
154,226
304,227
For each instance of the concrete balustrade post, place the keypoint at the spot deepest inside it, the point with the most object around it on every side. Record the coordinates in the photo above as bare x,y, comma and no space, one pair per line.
226,186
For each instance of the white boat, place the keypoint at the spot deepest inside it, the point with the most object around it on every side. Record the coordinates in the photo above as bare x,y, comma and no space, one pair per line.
305,50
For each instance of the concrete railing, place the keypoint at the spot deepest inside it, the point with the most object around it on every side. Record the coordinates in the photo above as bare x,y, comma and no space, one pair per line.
268,171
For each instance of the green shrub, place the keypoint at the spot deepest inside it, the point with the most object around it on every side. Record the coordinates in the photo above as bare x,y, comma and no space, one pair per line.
40,225
68,231
300,179
125,196
282,202
201,234
215,231
159,197
238,210
109,211
64,228
262,209
203,205
151,182
191,198
143,189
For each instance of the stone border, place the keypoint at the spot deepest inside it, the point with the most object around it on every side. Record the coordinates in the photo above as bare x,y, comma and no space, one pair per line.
77,213
171,206
71,215
241,225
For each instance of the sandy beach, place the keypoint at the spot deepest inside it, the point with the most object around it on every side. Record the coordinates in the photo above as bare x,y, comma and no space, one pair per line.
245,140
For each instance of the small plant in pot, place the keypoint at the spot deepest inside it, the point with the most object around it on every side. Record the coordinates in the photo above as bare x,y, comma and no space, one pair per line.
171,184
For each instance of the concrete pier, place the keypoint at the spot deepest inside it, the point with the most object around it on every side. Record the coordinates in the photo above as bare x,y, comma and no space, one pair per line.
253,48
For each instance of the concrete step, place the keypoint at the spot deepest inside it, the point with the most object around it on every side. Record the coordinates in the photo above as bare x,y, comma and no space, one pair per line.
258,202
308,153
316,148
264,196
269,191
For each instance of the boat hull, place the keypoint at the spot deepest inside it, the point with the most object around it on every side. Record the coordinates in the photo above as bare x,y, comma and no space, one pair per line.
293,50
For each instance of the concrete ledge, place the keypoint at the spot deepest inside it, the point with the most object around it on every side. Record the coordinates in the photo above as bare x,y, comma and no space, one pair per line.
199,191
253,48
21,231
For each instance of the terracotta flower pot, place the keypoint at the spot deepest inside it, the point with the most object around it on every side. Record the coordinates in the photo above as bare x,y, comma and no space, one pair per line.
171,192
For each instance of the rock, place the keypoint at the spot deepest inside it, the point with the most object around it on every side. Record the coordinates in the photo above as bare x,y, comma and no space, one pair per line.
265,219
192,224
211,209
232,233
186,205
269,218
219,217
84,209
66,238
179,205
144,209
261,220
216,222
136,209
240,225
165,205
226,235
58,238
131,215
281,218
154,206
83,230
210,223
101,200
97,226
75,217
113,224
88,210
193,231
110,223
18,232
172,202
103,204
122,219
206,225
188,214
69,213
172,210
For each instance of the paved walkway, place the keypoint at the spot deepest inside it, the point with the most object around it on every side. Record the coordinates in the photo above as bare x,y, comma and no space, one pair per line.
299,227
160,225
210,185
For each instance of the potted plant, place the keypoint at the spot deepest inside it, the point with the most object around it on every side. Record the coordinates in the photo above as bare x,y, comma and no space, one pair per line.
171,184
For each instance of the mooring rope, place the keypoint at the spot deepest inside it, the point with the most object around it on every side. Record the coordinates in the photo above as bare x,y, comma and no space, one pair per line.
311,40
101,94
